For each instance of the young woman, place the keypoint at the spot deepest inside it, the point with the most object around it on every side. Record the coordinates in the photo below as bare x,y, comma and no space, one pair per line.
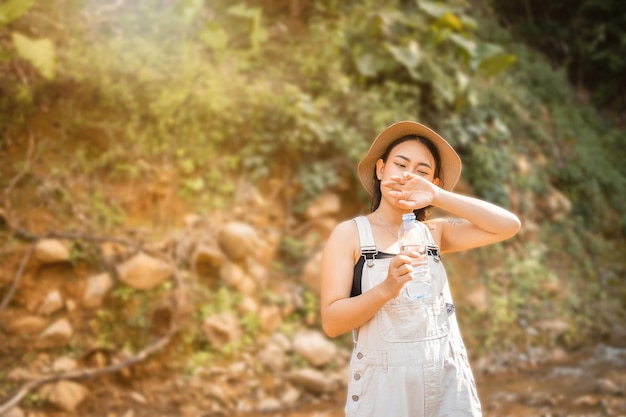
409,359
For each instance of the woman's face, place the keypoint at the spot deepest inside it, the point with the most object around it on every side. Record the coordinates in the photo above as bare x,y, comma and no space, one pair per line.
411,156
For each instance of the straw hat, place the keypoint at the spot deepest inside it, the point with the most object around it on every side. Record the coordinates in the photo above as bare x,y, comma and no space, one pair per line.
450,169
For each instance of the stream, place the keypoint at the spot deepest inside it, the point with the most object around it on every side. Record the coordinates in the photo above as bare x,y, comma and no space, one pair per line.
590,383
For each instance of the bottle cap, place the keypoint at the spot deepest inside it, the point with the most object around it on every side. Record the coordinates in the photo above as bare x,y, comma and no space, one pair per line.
408,217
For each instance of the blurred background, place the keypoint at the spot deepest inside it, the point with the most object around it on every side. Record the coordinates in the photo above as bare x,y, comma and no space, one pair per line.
171,169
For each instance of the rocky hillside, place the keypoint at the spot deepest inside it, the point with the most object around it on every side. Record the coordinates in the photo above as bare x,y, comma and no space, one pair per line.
171,171
209,300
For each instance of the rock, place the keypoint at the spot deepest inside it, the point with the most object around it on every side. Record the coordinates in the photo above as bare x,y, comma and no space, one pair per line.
238,241
97,288
144,272
290,396
221,329
207,259
66,395
270,318
257,271
588,400
248,305
555,327
273,357
64,364
315,348
530,231
21,374
269,404
478,299
112,251
50,251
555,204
57,334
282,341
235,277
607,386
24,325
312,380
311,275
318,231
138,398
14,412
327,204
51,304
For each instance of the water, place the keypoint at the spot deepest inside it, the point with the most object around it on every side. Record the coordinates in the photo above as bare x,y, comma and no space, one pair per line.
568,387
421,284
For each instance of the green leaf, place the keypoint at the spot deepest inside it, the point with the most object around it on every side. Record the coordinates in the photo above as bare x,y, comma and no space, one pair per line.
368,65
494,65
12,9
195,184
408,55
468,46
436,10
258,34
450,20
214,36
39,52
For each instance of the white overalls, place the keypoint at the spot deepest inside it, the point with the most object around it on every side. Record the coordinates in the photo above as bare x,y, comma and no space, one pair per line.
409,360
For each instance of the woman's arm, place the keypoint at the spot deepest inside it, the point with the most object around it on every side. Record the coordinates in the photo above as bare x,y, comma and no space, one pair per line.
340,312
481,223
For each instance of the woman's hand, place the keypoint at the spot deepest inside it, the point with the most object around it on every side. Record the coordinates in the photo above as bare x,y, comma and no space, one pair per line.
400,271
410,191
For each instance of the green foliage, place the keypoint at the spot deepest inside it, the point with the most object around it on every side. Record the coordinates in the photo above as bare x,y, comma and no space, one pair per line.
585,36
40,53
221,91
10,10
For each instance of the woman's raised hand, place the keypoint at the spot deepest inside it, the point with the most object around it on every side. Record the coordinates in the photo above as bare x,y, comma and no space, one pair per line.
410,191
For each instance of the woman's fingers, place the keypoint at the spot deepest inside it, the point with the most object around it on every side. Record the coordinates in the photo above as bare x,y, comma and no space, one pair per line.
403,268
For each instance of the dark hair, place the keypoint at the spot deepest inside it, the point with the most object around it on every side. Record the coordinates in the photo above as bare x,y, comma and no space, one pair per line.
420,214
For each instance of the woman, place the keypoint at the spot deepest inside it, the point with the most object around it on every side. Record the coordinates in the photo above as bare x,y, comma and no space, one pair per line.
408,359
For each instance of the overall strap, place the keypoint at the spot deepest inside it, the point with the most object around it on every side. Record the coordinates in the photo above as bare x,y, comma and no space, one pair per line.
433,248
366,238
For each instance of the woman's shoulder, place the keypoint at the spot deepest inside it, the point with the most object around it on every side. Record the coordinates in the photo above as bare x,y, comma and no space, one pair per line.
346,232
347,227
344,238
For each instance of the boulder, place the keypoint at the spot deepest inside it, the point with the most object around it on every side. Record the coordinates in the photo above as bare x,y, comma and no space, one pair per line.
221,329
49,251
66,395
51,304
144,272
27,324
311,275
312,380
238,241
315,348
96,289
57,334
327,204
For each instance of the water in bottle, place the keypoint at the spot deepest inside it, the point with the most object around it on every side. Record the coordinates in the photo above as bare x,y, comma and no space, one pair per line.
412,237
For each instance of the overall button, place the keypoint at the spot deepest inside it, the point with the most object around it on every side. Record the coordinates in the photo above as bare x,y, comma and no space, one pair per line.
355,398
359,355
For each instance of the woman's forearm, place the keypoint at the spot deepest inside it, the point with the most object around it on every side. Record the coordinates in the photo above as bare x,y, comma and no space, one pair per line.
346,314
485,216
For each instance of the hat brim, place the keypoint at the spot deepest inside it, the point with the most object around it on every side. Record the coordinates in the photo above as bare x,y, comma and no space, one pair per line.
449,172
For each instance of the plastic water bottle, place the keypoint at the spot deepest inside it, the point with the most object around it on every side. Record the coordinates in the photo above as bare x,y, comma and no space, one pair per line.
412,237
